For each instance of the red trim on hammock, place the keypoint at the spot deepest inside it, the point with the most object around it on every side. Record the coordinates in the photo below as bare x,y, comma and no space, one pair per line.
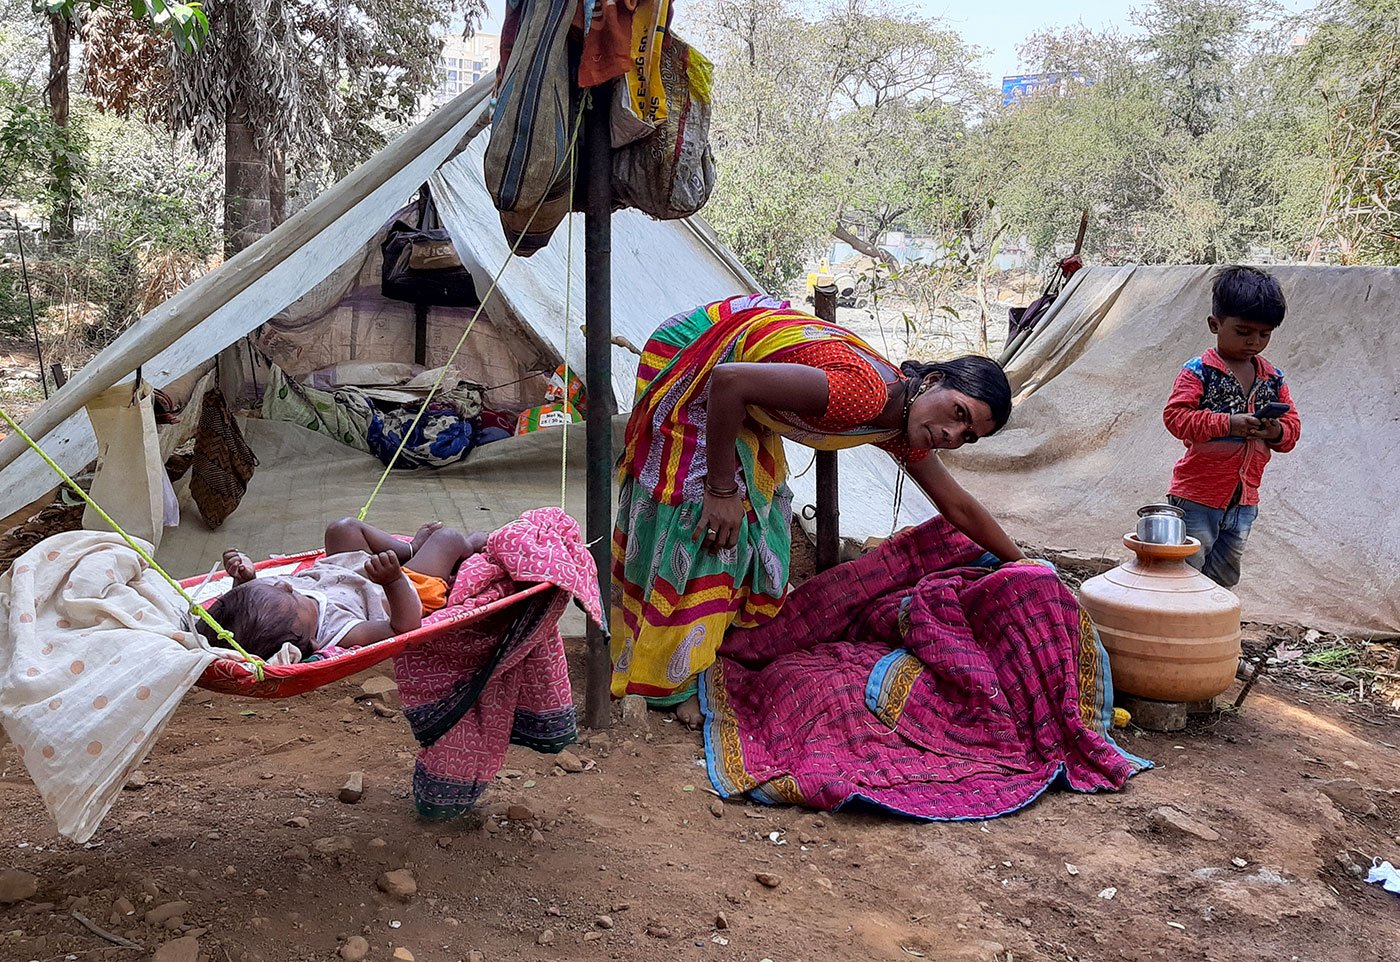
229,677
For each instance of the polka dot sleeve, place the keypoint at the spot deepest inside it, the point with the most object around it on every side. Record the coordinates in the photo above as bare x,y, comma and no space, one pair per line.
856,393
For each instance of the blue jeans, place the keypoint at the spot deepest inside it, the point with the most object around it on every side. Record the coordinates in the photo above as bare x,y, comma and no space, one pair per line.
1222,533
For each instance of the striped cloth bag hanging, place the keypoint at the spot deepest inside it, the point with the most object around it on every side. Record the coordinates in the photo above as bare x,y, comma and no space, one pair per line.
526,165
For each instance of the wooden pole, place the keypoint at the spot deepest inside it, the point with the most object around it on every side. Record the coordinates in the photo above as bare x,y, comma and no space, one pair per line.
597,254
828,495
420,334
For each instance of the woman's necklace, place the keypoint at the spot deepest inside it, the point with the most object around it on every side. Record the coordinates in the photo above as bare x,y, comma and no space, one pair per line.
909,395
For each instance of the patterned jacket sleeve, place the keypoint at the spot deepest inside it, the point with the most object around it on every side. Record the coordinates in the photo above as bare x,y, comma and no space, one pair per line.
1292,426
1184,417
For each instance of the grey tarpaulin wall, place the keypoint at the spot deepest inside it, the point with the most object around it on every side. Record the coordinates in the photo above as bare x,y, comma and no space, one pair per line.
1086,445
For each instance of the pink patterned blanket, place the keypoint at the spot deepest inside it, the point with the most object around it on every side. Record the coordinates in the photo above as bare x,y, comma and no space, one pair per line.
912,682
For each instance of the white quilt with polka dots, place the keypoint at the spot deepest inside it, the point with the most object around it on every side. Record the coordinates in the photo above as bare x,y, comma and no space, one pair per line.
95,653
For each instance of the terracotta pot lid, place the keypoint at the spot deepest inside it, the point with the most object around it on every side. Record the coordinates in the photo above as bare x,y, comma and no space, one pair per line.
1163,552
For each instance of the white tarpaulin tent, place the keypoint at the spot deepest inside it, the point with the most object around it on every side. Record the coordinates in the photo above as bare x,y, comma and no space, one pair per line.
1086,446
659,268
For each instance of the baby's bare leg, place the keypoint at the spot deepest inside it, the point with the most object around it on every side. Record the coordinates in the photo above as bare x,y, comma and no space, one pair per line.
351,534
444,550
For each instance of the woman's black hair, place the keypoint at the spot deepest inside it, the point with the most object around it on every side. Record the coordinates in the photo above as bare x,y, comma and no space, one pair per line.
980,378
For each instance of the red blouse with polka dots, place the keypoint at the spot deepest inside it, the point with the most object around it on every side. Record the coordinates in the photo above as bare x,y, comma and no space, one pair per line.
856,393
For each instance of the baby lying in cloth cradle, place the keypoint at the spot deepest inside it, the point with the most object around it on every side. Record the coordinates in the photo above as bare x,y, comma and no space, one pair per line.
361,592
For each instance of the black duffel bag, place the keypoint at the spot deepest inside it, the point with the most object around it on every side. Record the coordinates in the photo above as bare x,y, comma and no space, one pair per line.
421,265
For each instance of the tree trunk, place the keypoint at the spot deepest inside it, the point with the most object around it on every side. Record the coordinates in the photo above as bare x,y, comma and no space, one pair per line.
277,188
61,183
247,210
842,233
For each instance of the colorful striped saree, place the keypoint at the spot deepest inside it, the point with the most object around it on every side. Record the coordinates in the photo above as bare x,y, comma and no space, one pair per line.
673,601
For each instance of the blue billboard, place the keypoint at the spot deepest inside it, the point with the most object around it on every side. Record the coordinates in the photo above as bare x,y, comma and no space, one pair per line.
1025,86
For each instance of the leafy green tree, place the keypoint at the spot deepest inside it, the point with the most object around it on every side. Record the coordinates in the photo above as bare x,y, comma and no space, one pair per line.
830,122
1194,48
184,23
1351,64
297,86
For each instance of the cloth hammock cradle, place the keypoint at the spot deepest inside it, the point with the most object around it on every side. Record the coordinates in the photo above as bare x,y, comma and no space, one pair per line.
227,676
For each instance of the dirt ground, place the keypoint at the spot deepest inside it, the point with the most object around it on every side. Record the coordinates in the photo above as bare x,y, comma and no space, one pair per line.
634,859
20,390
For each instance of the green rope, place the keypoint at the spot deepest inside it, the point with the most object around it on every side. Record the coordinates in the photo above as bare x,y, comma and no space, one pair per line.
220,631
495,282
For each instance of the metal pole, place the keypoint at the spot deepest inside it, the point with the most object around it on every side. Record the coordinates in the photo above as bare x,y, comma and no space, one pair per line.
29,293
597,247
828,494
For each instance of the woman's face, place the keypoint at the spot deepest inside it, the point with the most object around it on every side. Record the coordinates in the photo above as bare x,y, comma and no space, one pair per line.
943,419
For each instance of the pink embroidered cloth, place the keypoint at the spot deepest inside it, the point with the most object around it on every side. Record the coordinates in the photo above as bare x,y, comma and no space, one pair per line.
468,694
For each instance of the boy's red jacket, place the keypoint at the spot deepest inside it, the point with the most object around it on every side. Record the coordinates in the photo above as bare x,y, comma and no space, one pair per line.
1198,412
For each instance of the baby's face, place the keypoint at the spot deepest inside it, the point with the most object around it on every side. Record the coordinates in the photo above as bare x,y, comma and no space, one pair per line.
299,613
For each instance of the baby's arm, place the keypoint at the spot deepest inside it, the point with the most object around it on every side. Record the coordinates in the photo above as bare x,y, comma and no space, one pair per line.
239,566
405,608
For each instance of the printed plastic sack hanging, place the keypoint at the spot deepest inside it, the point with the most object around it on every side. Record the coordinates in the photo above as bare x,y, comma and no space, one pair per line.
671,173
550,415
639,98
565,402
565,383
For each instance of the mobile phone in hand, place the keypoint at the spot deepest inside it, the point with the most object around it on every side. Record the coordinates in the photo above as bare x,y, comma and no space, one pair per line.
1272,411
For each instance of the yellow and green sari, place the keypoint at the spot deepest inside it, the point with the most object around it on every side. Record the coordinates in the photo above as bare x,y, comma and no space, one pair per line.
672,600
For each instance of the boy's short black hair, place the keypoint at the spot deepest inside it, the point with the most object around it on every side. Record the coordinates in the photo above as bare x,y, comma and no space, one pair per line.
1249,294
257,618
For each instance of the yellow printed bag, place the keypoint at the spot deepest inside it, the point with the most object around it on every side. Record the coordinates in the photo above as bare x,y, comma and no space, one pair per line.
639,103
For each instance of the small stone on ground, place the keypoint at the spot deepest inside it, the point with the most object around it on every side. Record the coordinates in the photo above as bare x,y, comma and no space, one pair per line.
354,788
399,884
16,886
355,949
1172,820
184,949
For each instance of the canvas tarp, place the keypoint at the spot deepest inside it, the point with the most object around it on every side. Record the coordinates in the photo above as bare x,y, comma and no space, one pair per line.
309,480
1086,446
658,269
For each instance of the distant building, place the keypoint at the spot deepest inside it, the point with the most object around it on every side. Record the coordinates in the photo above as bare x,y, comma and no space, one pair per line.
1025,86
464,62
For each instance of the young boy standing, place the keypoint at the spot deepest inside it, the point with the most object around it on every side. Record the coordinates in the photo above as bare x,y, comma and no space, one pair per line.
1214,409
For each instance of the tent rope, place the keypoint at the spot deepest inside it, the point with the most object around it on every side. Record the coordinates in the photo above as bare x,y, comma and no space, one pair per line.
495,282
194,606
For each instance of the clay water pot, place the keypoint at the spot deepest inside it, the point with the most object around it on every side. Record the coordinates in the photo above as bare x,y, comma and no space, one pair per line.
1171,633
